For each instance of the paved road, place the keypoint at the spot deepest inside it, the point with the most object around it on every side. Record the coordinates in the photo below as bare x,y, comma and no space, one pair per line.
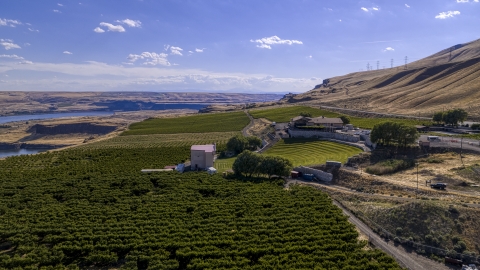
244,130
453,142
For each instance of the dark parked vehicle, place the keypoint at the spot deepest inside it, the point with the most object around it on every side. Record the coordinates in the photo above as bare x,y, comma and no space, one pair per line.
439,186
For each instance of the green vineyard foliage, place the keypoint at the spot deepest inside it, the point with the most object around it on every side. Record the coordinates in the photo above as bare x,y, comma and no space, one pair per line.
284,114
93,208
201,123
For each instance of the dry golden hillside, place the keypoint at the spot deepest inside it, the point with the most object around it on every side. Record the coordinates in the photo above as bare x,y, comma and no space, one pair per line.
447,79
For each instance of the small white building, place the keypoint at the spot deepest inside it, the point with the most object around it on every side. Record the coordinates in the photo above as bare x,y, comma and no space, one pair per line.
202,156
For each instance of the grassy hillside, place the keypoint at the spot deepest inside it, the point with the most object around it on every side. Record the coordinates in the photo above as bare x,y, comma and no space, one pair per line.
310,152
435,83
202,123
92,208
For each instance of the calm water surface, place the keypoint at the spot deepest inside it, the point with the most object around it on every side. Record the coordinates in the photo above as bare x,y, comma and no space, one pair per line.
27,117
18,152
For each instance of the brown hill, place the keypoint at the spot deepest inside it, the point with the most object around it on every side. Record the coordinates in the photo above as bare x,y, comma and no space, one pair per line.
447,79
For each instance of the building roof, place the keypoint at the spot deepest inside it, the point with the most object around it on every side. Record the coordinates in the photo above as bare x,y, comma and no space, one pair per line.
296,118
324,120
206,148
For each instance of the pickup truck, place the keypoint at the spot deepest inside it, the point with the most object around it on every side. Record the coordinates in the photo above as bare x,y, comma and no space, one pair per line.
439,186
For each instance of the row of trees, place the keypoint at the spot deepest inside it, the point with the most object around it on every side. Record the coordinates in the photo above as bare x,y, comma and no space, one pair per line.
450,117
239,143
391,133
249,163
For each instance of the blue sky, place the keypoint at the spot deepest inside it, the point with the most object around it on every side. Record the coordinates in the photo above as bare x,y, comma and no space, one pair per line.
209,45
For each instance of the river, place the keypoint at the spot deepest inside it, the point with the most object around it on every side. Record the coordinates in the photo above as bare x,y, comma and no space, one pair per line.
28,117
18,152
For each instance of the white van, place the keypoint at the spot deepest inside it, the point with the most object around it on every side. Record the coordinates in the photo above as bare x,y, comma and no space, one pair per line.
433,138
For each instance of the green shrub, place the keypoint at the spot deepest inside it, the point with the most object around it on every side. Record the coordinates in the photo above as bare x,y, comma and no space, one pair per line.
390,166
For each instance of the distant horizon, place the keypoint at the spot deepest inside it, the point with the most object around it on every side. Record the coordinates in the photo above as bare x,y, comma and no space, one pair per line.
271,46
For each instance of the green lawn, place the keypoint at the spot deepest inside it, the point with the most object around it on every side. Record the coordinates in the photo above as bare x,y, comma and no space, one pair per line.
284,114
201,123
224,164
310,152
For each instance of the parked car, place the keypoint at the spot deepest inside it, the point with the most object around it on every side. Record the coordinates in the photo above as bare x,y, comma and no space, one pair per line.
439,185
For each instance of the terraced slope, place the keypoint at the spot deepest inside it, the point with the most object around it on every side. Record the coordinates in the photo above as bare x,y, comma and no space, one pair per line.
309,152
434,83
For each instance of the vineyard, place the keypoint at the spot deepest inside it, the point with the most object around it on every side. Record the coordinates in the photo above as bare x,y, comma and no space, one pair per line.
284,114
163,140
309,151
201,123
92,208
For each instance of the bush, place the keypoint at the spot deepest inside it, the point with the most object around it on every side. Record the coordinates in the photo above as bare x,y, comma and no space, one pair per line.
390,166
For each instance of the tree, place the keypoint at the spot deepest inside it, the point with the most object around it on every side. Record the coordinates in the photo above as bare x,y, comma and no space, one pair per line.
306,114
237,144
254,143
438,117
275,166
453,117
389,133
247,163
345,119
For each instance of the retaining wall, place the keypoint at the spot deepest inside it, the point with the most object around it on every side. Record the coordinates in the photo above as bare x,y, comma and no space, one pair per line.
295,133
321,175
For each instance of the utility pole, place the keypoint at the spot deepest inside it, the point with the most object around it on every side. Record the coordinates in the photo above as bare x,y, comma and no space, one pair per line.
368,66
391,63
378,62
416,194
406,60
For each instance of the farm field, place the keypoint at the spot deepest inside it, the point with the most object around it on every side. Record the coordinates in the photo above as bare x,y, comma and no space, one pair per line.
163,140
284,114
310,152
93,208
202,123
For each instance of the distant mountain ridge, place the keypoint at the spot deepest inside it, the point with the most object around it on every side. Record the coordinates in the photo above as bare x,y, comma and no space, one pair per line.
447,79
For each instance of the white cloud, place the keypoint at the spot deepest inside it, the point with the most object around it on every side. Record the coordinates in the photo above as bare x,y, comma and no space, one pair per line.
26,44
32,30
370,9
199,50
67,52
92,75
57,11
176,50
266,42
98,30
8,44
407,5
11,56
130,23
60,5
8,22
310,57
151,58
25,62
389,49
112,28
462,1
448,14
